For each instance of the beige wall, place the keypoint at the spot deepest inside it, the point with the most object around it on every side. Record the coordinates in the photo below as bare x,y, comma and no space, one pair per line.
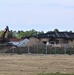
61,40
71,42
44,39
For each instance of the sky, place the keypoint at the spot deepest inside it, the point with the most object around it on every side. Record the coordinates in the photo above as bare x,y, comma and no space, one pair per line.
41,15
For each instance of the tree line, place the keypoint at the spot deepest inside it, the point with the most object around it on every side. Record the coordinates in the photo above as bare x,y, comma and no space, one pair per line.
21,33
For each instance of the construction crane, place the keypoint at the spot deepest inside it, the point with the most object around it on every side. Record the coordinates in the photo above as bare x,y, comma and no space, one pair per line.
3,39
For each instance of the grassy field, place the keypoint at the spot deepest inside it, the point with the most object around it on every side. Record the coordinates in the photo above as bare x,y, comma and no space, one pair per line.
55,74
33,64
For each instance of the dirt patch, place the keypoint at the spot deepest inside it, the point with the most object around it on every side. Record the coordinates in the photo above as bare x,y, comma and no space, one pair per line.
34,42
34,64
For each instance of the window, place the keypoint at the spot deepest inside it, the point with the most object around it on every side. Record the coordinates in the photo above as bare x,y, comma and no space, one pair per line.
44,42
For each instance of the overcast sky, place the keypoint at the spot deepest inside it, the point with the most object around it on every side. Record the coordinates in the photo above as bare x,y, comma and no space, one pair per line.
41,15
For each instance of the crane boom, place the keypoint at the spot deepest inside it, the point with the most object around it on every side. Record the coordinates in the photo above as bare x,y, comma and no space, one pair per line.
4,33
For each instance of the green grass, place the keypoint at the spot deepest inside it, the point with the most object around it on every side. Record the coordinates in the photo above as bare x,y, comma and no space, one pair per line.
54,74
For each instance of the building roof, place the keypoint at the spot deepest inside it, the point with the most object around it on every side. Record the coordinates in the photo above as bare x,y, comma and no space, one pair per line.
15,40
66,35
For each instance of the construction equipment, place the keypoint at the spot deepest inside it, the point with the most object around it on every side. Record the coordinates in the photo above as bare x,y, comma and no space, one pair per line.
3,39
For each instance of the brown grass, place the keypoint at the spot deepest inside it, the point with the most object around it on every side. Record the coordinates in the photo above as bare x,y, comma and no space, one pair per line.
33,64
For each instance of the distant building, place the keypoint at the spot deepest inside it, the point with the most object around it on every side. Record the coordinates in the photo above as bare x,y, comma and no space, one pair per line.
57,38
15,41
19,42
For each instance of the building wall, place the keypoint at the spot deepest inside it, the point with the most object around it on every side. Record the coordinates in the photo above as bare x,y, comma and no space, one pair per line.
63,41
44,40
71,42
60,40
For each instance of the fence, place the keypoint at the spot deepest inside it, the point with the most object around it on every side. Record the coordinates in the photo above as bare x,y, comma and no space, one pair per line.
38,49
